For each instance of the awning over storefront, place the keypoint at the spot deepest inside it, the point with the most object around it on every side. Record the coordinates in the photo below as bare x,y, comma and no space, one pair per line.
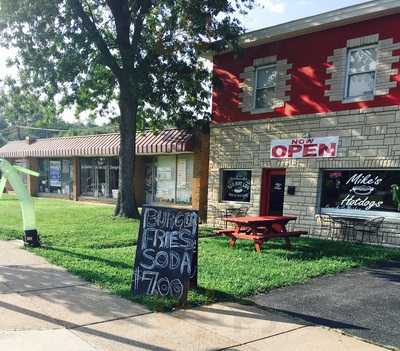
167,141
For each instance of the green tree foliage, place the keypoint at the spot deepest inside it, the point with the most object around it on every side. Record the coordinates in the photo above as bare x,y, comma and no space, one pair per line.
20,106
142,54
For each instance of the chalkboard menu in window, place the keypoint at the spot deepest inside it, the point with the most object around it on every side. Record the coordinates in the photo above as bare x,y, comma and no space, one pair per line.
236,185
166,253
368,190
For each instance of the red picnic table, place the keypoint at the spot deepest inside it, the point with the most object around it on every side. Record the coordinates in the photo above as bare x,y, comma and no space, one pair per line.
260,229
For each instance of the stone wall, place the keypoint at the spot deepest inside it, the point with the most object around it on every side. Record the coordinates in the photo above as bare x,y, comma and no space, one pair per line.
369,138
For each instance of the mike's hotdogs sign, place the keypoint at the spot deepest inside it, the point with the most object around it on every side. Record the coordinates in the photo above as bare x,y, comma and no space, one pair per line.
369,190
304,147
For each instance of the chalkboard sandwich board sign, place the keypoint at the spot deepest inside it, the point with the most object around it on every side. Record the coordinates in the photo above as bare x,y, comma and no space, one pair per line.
166,252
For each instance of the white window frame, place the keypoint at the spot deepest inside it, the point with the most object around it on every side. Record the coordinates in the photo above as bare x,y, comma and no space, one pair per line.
348,75
255,86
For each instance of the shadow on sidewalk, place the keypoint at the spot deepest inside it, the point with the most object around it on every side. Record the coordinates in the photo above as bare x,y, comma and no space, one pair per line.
84,328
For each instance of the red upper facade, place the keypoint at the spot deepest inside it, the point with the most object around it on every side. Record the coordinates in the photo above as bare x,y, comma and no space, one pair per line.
308,56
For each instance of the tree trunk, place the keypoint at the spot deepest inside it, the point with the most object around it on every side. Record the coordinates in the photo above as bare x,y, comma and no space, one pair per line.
126,205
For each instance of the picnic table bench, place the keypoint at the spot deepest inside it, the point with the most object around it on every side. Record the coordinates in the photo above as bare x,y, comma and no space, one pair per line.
260,229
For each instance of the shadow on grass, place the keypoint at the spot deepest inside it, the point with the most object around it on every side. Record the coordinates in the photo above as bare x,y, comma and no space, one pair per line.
82,256
206,232
119,279
316,249
112,245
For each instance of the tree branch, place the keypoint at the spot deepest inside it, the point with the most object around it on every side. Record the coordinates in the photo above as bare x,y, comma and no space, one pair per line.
122,20
96,37
138,23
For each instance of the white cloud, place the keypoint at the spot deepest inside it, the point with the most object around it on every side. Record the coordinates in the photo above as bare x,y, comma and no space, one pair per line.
274,6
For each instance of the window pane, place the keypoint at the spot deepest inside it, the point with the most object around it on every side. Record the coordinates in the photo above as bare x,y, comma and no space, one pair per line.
264,97
184,178
236,185
149,182
165,179
55,176
114,177
361,84
101,189
44,176
367,190
363,60
22,163
87,175
266,77
66,177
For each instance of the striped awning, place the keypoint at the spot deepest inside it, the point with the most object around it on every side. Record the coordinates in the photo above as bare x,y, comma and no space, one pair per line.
166,141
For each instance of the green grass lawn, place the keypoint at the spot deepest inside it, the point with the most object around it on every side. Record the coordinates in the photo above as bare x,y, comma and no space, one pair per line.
88,241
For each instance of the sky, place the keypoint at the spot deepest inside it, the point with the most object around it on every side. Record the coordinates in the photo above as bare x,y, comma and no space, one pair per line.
272,12
267,13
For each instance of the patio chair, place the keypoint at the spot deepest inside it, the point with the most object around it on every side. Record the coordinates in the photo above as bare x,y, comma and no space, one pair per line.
339,229
324,225
236,212
370,229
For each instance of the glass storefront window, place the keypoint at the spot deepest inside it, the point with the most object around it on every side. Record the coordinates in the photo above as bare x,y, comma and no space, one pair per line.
22,163
168,179
99,177
101,188
114,177
184,178
55,176
359,191
165,179
149,170
235,185
87,181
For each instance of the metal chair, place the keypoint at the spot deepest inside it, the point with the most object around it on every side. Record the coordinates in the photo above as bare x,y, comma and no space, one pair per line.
236,212
324,225
370,229
339,229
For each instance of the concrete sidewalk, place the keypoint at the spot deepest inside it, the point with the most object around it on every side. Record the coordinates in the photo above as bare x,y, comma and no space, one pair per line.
43,308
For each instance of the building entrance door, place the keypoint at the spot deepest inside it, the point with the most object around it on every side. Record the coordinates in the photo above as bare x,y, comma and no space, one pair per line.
101,183
272,192
149,183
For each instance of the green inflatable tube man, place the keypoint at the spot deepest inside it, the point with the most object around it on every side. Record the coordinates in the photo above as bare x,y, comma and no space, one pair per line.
10,174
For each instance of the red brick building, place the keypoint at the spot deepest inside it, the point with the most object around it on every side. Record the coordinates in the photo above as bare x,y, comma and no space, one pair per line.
306,119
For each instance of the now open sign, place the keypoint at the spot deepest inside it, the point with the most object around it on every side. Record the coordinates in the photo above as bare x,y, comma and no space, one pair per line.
304,147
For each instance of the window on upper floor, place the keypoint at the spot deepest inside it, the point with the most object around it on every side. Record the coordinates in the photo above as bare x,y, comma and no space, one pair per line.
265,85
361,72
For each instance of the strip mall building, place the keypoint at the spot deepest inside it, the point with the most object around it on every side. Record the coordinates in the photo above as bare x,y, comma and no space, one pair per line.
171,167
306,119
